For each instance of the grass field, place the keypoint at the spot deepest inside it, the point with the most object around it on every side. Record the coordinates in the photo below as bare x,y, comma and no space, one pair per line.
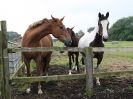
111,61
119,44
114,44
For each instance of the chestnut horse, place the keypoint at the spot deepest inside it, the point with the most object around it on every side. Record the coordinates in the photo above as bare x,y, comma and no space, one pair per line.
36,36
96,39
73,55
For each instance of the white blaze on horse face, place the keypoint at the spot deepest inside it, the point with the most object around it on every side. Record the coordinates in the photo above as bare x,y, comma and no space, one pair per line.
104,26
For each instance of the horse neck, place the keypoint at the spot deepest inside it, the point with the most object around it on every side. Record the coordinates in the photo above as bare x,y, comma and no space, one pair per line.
34,35
98,38
98,41
75,40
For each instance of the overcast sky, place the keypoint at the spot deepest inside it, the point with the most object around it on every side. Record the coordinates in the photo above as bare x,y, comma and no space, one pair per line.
81,14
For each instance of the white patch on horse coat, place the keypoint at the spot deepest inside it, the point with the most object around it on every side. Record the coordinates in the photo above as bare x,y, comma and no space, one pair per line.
70,72
104,26
97,81
87,38
39,89
28,90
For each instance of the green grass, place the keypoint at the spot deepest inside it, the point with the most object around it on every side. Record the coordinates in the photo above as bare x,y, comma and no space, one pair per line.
119,44
110,58
58,44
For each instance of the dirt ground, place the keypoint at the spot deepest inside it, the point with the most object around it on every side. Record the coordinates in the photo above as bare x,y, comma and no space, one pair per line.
111,88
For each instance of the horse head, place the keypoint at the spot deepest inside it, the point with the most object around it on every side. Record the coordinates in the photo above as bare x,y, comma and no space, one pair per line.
59,31
74,38
103,25
71,32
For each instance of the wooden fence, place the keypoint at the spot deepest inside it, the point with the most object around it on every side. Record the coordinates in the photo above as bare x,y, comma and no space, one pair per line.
4,66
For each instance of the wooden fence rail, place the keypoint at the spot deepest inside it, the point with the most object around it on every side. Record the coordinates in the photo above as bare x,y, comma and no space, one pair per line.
70,49
69,77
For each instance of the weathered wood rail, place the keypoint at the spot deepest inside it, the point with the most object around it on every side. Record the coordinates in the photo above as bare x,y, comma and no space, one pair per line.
69,77
4,66
73,49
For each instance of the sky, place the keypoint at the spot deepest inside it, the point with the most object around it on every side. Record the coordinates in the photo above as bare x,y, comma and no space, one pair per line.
80,14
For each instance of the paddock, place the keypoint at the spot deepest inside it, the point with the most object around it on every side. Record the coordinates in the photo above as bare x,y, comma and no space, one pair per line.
6,79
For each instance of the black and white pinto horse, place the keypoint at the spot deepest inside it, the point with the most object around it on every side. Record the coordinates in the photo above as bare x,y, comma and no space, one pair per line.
96,39
73,56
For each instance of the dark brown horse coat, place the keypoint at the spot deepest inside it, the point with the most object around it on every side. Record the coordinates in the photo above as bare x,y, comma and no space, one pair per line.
73,55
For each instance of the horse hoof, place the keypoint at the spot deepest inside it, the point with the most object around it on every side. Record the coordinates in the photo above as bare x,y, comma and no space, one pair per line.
28,90
98,83
40,92
74,68
70,72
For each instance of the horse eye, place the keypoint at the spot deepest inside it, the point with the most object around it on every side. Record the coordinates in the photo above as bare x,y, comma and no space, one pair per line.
61,27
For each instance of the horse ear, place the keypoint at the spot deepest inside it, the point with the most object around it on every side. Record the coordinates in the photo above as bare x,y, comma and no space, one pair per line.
107,14
53,18
99,15
72,28
62,18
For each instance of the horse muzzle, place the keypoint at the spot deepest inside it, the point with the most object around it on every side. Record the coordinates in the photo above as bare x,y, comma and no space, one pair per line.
105,39
68,43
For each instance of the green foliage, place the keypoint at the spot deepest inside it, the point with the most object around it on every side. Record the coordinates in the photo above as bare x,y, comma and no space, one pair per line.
122,30
12,35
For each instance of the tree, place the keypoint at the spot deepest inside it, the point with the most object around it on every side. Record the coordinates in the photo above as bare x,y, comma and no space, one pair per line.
80,33
13,35
90,29
122,30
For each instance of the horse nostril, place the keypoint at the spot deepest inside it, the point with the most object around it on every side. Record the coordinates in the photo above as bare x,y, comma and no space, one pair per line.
68,43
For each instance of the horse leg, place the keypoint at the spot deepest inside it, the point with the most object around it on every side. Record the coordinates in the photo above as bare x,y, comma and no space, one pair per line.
74,66
70,64
46,65
99,59
82,60
27,63
77,63
39,64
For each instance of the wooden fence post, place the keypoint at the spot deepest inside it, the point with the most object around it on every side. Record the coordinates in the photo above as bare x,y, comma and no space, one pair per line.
1,64
4,63
89,71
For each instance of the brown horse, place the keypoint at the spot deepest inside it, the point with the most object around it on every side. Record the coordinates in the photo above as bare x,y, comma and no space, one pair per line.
36,36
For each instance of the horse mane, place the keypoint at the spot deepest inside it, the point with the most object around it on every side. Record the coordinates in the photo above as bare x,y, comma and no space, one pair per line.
38,23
